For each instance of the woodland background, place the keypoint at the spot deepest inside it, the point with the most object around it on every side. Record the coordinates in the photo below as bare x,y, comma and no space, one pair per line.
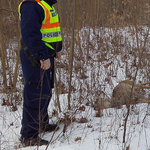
84,24
74,16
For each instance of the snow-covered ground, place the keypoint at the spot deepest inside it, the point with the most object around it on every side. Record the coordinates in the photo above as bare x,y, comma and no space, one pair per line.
98,133
93,133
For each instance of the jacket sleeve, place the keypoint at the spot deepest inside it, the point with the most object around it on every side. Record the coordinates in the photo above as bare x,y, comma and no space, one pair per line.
32,16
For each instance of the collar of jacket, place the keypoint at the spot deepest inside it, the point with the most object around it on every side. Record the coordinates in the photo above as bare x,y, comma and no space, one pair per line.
51,2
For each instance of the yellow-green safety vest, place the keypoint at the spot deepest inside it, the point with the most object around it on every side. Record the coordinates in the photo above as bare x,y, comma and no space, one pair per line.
50,28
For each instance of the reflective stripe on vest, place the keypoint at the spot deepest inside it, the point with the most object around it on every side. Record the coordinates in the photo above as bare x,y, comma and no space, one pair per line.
50,28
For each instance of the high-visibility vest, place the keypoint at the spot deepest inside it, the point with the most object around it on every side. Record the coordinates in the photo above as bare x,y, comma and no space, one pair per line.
50,28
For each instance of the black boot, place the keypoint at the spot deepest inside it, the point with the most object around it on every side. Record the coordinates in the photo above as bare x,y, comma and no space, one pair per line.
33,141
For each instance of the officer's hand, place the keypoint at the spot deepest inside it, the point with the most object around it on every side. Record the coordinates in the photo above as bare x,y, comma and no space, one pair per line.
58,55
45,64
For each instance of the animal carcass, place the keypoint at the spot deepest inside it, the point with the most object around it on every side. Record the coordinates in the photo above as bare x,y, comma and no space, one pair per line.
126,93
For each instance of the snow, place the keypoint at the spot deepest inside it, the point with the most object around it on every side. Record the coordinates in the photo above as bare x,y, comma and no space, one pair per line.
98,133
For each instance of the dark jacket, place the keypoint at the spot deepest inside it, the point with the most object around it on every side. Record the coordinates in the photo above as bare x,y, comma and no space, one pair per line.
32,16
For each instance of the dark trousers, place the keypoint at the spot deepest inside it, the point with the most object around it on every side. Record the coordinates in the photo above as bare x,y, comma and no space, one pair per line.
37,94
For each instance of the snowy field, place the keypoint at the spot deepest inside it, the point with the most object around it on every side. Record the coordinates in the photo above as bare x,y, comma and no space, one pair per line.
88,132
98,133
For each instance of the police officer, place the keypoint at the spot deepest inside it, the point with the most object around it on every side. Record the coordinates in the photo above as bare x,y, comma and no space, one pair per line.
41,42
